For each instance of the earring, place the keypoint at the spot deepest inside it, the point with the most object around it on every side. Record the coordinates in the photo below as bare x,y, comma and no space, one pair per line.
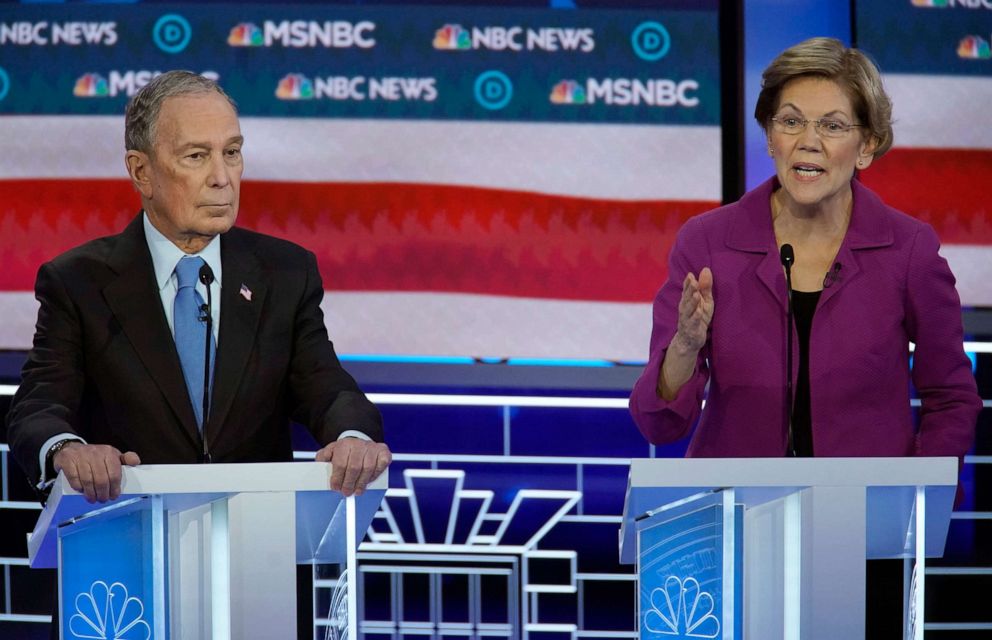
861,163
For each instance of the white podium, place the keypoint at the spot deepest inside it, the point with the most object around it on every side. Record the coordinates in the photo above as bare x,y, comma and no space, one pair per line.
791,534
201,551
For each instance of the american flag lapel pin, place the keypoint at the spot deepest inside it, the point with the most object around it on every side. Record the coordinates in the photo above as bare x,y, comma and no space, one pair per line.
245,292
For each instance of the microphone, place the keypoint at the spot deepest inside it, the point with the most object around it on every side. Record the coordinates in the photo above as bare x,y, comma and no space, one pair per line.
207,278
833,276
788,258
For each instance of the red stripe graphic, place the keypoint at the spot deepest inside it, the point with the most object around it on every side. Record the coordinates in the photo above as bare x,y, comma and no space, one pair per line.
390,237
404,237
948,188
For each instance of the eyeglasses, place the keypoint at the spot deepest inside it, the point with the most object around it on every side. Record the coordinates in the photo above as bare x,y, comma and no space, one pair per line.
825,127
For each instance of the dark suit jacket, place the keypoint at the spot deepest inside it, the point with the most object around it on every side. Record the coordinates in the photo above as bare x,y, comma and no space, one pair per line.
104,363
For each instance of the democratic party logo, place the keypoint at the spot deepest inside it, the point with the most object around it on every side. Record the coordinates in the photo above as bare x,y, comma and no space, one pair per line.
246,34
4,84
172,33
295,86
91,85
682,608
109,613
651,41
974,48
493,90
452,37
568,92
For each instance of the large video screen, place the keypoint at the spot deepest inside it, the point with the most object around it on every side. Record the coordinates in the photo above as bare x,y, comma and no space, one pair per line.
937,68
474,181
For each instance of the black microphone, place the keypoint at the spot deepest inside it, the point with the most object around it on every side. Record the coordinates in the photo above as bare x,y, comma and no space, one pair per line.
207,278
788,258
833,276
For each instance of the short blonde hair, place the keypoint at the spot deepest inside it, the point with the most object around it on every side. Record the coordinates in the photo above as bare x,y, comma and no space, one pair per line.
850,68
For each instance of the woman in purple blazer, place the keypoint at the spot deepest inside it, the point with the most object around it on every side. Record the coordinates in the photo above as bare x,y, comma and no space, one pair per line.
866,281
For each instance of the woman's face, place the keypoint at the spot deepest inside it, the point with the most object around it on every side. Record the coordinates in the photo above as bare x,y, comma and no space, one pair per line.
815,170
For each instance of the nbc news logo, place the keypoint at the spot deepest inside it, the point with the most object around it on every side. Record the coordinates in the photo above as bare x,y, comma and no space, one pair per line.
246,34
974,48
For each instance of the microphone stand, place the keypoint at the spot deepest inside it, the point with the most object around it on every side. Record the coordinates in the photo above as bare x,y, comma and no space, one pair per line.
788,257
207,278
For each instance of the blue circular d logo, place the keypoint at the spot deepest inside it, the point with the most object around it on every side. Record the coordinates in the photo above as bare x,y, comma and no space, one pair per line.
172,33
493,90
4,84
650,41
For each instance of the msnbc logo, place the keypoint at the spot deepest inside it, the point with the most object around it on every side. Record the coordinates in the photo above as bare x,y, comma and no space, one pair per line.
568,92
295,86
974,48
246,35
91,85
452,36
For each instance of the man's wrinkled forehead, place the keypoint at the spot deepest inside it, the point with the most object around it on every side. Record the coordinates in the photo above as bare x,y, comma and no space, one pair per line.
199,119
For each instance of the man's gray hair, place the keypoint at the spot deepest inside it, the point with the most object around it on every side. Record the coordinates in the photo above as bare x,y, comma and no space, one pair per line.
142,111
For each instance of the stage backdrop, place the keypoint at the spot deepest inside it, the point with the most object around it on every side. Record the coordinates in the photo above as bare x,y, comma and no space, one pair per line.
937,67
487,182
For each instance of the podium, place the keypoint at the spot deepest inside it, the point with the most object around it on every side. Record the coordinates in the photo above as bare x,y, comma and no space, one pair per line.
201,551
775,548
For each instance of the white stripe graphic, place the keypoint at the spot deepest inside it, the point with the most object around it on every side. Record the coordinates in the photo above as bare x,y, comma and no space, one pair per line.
444,324
458,324
617,162
940,112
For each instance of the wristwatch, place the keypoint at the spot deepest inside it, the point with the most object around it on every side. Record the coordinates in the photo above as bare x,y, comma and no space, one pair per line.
50,456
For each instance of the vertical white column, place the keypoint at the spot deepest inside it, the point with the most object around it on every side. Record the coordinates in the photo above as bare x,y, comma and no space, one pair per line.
833,562
730,552
921,559
792,561
220,572
159,568
352,568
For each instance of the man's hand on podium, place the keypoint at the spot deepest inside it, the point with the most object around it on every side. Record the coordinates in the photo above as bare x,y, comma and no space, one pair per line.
355,463
94,469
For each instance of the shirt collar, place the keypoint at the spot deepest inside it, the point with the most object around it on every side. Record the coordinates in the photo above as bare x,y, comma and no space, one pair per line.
165,254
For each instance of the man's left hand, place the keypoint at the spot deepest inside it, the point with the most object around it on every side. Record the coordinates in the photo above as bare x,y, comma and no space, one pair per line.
355,463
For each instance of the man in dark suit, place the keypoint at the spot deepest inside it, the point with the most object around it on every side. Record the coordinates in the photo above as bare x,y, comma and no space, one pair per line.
119,363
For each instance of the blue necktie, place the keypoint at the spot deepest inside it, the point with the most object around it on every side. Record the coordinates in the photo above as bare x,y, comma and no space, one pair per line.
191,332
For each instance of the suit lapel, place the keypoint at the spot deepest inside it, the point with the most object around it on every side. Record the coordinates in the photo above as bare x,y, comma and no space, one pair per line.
239,317
869,228
751,232
134,299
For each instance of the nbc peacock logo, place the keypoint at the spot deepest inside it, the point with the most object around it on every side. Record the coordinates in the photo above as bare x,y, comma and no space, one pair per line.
295,86
245,34
452,37
109,612
91,85
940,4
682,609
568,92
974,48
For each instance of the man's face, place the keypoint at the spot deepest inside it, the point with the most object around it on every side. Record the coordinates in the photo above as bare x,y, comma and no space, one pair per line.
190,181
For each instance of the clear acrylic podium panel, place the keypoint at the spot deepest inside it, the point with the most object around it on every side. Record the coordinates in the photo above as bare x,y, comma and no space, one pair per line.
690,568
808,526
201,551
